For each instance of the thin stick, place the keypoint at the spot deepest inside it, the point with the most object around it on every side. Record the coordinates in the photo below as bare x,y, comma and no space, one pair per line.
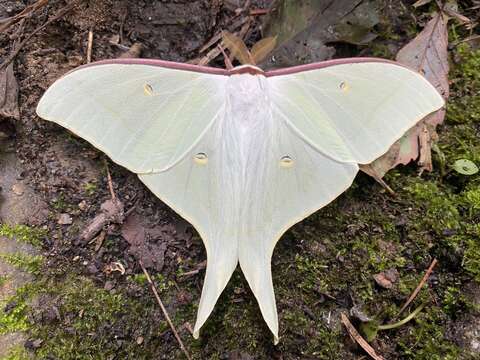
226,59
257,12
419,286
110,183
89,46
15,52
165,313
359,339
27,12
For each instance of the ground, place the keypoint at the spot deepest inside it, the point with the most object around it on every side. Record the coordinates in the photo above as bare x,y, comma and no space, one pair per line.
59,301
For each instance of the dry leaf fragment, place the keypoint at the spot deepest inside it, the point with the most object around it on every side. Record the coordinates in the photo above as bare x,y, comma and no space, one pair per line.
65,219
419,3
9,93
237,48
262,48
427,53
387,278
114,266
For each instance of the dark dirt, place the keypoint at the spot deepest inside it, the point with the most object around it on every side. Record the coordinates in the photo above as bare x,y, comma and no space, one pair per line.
323,266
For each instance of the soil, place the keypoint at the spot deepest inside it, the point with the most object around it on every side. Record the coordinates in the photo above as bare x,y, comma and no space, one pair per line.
323,266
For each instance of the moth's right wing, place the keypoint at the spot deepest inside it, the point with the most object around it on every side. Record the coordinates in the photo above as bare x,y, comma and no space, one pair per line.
145,115
352,110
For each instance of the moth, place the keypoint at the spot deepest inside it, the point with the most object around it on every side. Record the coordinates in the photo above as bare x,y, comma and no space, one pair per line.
241,153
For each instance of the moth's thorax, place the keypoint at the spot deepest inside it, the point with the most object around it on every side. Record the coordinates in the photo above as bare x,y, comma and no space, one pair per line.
247,97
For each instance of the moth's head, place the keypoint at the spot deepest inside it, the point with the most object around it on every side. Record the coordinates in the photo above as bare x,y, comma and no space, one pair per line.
247,69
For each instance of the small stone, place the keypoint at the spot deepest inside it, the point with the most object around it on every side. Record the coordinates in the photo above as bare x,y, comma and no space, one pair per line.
109,285
64,219
18,189
76,258
83,205
140,340
85,263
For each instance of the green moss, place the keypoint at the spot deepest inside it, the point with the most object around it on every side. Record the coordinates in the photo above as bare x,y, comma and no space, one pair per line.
90,188
471,258
440,211
463,105
15,318
3,280
17,353
28,263
23,233
425,339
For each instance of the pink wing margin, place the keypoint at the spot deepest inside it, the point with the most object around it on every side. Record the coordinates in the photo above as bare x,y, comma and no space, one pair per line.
245,69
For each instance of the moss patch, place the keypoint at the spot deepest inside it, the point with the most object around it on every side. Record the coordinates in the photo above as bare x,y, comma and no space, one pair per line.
23,233
28,263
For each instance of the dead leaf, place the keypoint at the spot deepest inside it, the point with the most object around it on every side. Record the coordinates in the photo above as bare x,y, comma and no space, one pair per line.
114,266
133,52
65,219
304,28
151,254
419,3
9,93
427,53
262,48
237,48
387,278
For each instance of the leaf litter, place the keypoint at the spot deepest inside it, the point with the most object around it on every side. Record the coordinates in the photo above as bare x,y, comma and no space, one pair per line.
426,53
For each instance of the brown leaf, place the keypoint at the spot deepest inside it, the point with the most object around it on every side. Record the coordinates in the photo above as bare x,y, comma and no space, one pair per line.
262,48
427,53
133,52
387,278
151,254
133,231
9,93
419,3
237,48
306,28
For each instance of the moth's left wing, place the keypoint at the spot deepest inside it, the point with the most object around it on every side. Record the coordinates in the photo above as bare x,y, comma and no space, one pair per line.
352,110
144,114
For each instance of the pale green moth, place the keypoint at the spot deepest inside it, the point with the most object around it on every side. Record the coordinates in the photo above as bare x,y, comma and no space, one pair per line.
242,154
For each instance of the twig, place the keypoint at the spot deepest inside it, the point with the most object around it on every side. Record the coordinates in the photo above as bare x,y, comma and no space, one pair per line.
110,183
165,313
28,11
226,59
257,12
420,285
359,339
370,170
15,52
109,180
89,46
